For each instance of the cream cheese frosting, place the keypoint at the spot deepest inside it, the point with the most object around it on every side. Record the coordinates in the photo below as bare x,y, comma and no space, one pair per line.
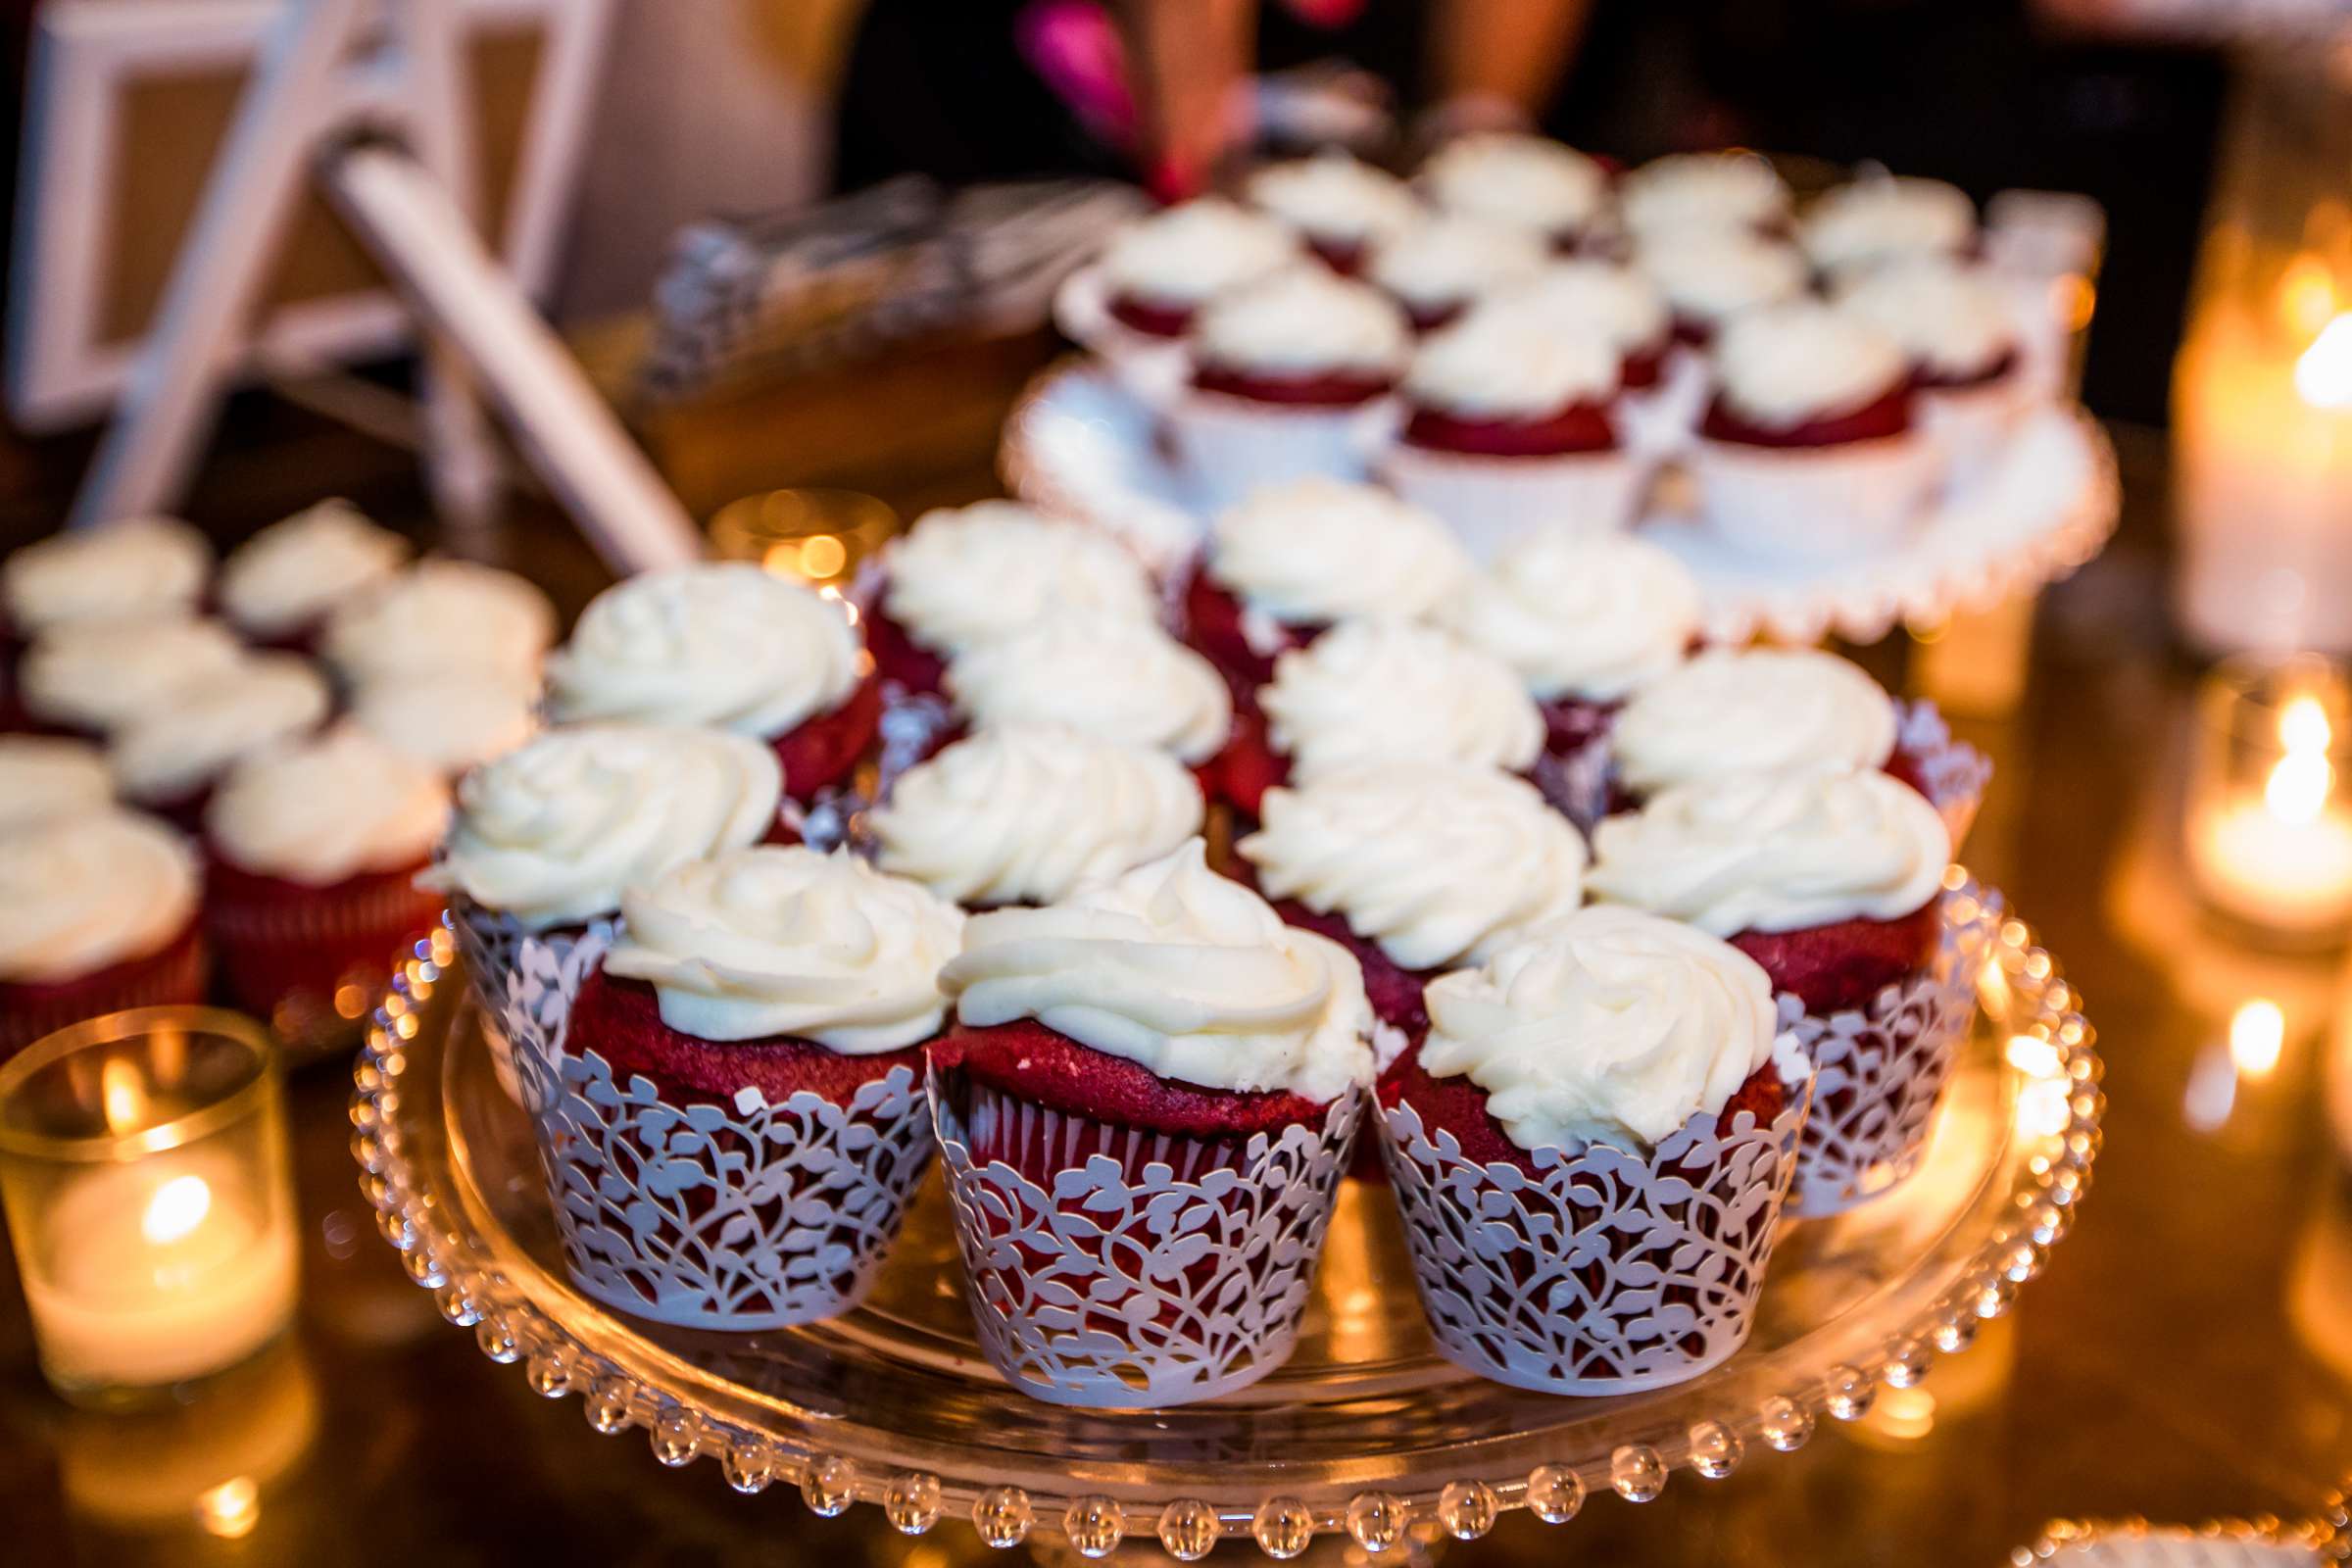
1188,253
1606,1026
173,749
1582,617
441,614
1775,851
1786,363
1883,219
1334,198
1707,278
1029,813
1441,863
1601,299
1524,180
1178,969
1371,691
43,776
452,721
1951,321
300,568
1107,674
1752,710
555,831
1302,321
769,941
139,568
1318,550
98,675
726,644
1685,192
82,892
322,809
963,576
1446,258
1505,365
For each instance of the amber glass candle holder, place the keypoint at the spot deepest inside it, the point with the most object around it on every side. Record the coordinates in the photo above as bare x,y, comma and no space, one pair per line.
2269,821
819,537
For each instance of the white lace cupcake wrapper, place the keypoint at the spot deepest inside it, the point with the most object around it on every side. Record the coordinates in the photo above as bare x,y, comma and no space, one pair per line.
1814,503
1952,773
1606,1270
1229,446
1152,1269
1879,1072
538,971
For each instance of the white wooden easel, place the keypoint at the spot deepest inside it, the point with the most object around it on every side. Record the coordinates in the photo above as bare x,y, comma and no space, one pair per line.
369,98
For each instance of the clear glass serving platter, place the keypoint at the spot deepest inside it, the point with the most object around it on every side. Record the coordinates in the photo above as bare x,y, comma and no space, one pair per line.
1365,1431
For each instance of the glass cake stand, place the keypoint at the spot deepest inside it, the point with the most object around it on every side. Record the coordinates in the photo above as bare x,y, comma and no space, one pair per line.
1365,1431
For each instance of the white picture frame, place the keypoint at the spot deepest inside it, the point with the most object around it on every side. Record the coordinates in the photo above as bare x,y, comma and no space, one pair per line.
85,56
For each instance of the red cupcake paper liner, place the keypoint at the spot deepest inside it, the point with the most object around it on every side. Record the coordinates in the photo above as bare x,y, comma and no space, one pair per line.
1118,1267
174,975
288,948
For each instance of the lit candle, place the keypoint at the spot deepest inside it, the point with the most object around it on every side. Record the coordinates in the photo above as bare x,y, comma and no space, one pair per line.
2281,859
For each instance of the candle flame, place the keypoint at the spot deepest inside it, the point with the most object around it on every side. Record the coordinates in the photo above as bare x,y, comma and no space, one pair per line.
230,1510
177,1207
2323,372
2298,787
123,1095
2257,1033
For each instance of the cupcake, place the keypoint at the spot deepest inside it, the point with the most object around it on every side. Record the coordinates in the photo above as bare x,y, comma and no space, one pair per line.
451,722
279,586
1440,266
1834,883
1290,377
1145,1107
732,646
1156,274
1604,299
1292,559
1030,812
1690,193
1889,217
1374,691
1512,422
168,757
1750,711
140,568
1967,362
741,1118
1525,181
1101,672
1708,277
963,576
1591,1151
44,777
1809,449
440,616
90,678
1340,206
313,847
97,913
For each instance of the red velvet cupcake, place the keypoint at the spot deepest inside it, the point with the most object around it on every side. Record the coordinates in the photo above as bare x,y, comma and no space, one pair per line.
1157,272
91,677
1340,206
1707,278
1553,190
1662,386
1107,674
138,570
1732,712
167,759
279,586
1150,1046
1967,358
1437,267
47,776
1687,194
1888,219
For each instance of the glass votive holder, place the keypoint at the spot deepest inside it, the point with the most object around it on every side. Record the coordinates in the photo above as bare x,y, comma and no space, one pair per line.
2269,814
143,1165
819,537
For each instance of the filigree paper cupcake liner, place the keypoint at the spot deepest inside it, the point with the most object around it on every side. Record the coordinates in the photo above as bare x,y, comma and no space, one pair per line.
508,965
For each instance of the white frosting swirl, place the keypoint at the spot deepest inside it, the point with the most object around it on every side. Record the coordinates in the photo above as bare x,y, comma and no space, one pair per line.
1953,323
727,644
1182,256
1760,710
1786,363
448,722
1447,258
1608,1026
1439,863
43,776
1302,322
173,749
1506,365
300,568
554,832
1181,971
441,614
1371,691
98,675
1334,198
1707,278
1685,192
1028,813
139,568
1775,851
1883,219
1107,674
963,576
322,809
1601,299
770,941
1319,550
1581,617
1524,180
82,892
